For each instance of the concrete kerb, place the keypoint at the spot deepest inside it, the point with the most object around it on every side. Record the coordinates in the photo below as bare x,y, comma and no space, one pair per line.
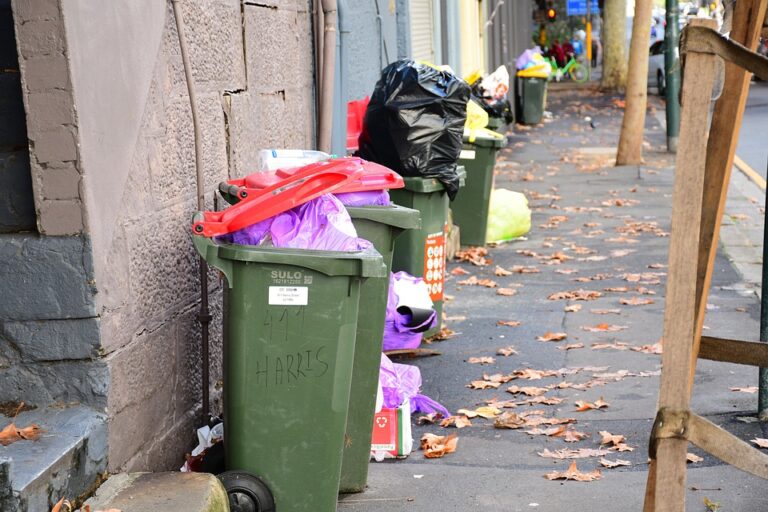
169,492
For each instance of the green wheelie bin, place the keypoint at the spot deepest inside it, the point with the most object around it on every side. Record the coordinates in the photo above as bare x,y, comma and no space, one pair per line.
497,124
532,94
470,208
421,252
380,225
290,325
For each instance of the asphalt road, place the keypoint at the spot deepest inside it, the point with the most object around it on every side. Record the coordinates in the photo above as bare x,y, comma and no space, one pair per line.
752,146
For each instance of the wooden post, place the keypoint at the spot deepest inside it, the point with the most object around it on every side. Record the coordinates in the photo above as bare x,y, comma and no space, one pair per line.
748,19
680,313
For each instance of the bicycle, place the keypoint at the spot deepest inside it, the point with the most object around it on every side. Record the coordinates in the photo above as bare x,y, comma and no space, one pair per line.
573,68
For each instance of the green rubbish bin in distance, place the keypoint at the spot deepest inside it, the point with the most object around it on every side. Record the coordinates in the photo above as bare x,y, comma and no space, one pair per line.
290,326
533,92
470,208
421,252
497,124
380,225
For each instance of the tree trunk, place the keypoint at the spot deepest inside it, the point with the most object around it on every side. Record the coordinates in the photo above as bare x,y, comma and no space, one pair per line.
631,139
614,34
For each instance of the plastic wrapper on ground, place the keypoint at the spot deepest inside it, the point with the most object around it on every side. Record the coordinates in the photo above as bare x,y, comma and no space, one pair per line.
509,216
409,314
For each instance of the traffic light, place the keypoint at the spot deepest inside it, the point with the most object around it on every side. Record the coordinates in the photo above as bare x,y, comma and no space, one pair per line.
551,14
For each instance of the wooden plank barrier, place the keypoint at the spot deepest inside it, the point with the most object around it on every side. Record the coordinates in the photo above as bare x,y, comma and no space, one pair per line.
701,185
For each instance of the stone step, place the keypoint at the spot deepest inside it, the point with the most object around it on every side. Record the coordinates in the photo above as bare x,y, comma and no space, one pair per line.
66,461
166,492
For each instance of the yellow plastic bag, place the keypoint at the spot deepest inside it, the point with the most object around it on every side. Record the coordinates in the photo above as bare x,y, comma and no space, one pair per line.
508,216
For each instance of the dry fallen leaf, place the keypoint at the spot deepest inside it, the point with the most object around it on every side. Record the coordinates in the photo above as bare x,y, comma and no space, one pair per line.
552,336
749,389
523,269
692,457
474,255
506,292
572,473
11,433
648,349
527,390
499,271
573,308
486,412
603,328
576,295
481,360
483,384
623,447
531,374
611,439
567,453
508,420
444,334
605,311
459,271
636,301
507,351
582,406
617,345
508,323
436,446
456,421
761,442
570,346
614,463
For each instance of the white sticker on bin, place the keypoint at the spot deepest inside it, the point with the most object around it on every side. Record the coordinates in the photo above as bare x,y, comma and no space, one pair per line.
467,154
288,295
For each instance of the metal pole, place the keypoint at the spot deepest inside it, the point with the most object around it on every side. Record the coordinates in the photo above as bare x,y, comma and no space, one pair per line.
762,399
588,40
672,74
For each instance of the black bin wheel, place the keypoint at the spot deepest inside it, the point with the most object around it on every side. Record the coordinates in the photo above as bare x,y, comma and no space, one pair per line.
247,492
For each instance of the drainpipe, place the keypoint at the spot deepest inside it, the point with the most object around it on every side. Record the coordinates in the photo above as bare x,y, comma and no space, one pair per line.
327,65
341,92
204,316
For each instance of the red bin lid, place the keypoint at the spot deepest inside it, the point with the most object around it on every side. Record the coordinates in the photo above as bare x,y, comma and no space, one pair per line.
295,187
374,177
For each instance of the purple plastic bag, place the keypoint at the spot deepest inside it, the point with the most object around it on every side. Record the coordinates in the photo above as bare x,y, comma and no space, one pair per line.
322,224
401,381
404,326
368,198
525,58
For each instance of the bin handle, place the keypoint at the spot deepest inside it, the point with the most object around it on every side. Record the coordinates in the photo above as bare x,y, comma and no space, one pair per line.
233,190
209,251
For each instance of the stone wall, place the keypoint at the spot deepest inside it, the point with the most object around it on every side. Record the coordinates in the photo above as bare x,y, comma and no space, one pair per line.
112,165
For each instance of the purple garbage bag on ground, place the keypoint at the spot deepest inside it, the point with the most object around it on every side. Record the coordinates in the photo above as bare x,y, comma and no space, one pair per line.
322,224
367,198
401,381
409,312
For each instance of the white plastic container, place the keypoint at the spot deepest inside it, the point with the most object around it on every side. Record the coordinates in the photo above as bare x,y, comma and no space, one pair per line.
273,159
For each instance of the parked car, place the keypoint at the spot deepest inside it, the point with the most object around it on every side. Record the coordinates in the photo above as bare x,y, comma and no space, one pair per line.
656,77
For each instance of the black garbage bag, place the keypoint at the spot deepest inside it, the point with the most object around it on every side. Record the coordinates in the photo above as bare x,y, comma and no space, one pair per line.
415,121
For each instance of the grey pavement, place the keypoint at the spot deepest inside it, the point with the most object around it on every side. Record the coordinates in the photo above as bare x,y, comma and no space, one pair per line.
610,224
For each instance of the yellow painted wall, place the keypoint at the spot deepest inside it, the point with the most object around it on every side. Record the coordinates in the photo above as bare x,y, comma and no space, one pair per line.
472,44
